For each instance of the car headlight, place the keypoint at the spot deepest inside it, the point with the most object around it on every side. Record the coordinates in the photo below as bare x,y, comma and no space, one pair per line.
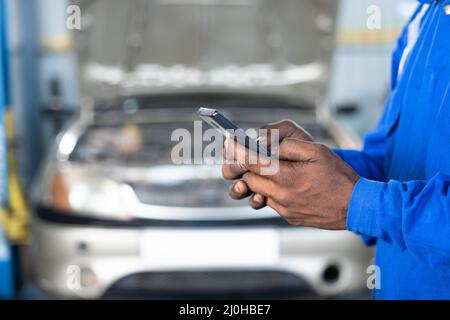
72,190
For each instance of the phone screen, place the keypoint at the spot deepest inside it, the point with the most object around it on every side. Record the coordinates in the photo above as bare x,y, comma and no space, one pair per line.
218,121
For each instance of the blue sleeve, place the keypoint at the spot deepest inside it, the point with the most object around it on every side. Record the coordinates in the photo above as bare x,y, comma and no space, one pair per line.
369,163
414,215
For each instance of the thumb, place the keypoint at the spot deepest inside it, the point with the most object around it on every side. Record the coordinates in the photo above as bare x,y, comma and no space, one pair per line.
287,129
297,150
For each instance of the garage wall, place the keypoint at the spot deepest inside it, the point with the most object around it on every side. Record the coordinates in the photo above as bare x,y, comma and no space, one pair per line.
361,74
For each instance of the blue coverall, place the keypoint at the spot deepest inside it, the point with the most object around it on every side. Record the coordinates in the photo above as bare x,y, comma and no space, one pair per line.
402,200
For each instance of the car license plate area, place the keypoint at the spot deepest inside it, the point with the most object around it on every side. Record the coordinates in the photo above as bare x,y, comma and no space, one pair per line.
166,248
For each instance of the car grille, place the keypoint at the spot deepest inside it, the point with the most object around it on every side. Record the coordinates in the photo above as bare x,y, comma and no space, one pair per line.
210,284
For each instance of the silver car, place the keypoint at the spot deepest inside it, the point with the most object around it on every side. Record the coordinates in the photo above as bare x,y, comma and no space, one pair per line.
116,218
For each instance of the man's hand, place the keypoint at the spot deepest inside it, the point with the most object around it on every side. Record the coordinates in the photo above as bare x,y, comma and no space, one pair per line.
312,187
239,190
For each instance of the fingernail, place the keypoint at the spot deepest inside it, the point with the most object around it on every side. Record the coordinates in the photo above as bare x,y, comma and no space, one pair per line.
258,198
238,187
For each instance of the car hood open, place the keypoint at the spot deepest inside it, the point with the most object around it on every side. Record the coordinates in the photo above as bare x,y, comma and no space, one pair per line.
278,47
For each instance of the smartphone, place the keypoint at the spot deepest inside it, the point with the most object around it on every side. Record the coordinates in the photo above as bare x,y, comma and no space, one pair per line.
218,121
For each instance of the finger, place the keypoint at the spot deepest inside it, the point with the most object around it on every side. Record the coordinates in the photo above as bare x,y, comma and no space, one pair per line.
239,190
260,185
286,129
257,201
233,171
247,159
299,150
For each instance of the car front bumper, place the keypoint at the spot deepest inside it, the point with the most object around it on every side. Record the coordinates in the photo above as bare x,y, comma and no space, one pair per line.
90,262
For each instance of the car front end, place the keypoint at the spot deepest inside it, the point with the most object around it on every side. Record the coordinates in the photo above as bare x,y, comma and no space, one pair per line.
115,217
